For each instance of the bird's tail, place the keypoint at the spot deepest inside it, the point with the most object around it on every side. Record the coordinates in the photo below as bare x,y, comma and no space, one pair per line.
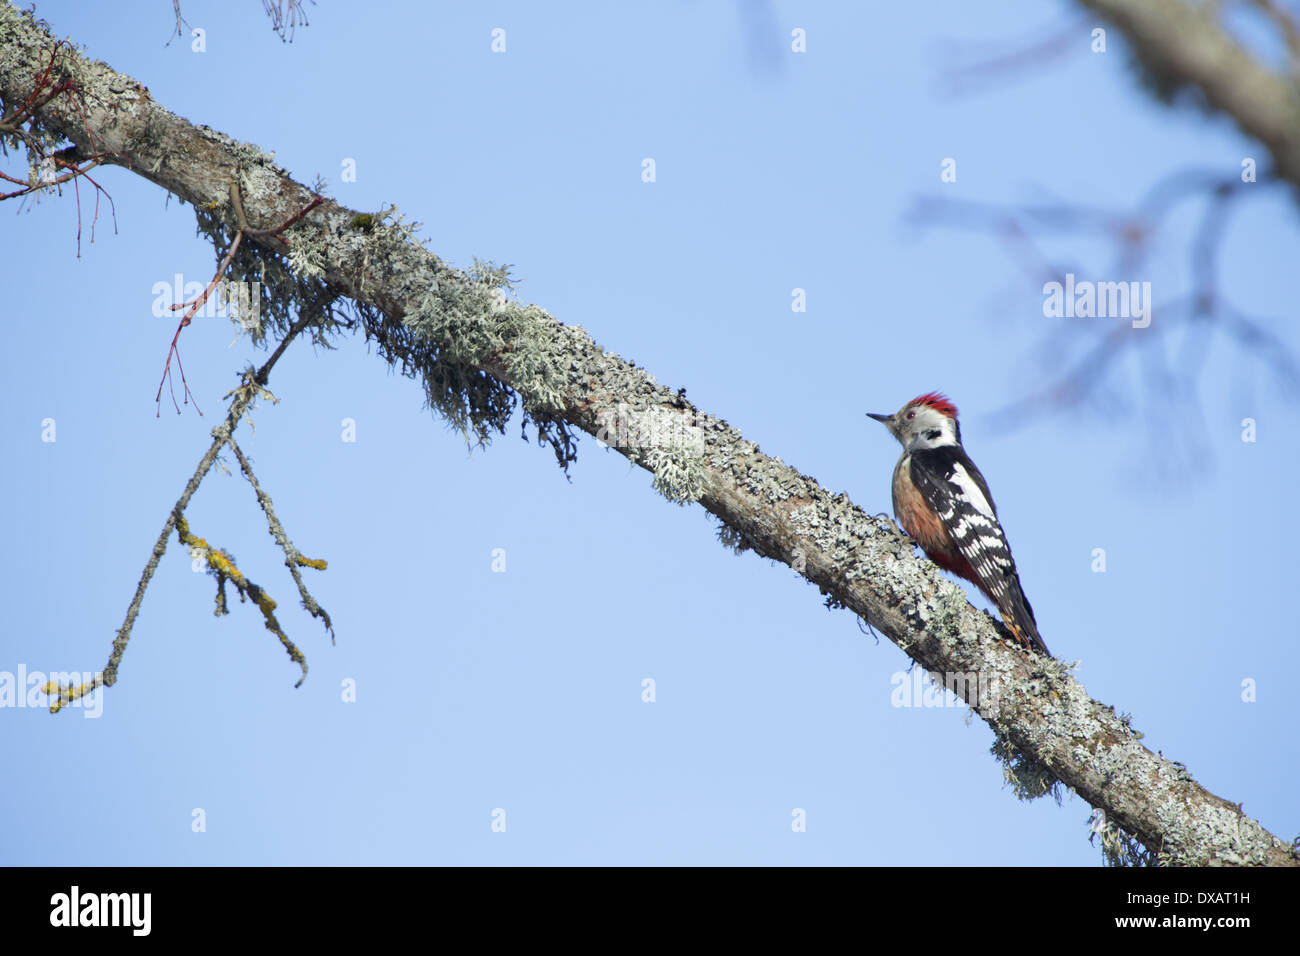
1018,616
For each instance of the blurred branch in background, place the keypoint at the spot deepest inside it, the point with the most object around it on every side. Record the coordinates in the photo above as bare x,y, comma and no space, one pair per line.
1185,54
1084,360
971,69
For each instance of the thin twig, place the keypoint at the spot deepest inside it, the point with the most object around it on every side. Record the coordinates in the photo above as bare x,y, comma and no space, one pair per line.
293,558
221,435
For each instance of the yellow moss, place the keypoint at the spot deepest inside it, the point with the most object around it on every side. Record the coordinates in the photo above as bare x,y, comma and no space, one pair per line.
224,567
66,695
320,564
183,531
220,563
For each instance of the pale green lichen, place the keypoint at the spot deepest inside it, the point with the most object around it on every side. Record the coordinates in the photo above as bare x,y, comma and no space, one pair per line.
470,320
306,262
1029,780
679,475
1118,846
286,288
730,538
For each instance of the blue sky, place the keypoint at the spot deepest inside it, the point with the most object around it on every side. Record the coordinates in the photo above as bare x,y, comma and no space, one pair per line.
522,691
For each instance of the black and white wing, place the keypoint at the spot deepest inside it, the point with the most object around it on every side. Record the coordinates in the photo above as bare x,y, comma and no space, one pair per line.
959,496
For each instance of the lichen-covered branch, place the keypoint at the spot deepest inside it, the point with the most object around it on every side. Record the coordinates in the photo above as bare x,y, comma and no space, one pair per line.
476,348
48,171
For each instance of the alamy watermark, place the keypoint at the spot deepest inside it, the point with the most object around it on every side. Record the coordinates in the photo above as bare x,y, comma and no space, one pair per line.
31,689
1103,300
241,302
654,427
922,688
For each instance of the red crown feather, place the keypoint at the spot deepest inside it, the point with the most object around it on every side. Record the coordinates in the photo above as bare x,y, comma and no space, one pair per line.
938,402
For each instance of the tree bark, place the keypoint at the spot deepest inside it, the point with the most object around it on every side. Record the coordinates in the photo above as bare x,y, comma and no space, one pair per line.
1183,43
861,562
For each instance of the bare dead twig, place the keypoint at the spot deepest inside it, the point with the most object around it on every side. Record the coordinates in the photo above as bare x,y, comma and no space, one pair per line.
293,558
243,397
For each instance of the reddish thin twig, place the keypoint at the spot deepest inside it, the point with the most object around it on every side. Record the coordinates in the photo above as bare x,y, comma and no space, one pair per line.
44,91
257,233
192,308
186,320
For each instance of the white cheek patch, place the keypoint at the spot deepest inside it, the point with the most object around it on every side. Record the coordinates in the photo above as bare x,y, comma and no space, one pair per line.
931,430
970,490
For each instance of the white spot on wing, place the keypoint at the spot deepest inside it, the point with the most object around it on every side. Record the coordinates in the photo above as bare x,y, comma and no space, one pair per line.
970,490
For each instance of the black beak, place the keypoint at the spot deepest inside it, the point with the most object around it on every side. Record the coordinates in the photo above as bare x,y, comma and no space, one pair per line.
880,418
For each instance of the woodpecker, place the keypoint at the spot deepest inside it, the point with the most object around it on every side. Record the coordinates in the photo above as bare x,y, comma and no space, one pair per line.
943,502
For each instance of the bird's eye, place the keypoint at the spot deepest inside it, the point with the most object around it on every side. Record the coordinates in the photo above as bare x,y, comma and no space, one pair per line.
911,414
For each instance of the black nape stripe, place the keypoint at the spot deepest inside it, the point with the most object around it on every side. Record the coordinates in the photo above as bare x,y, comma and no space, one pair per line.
932,434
